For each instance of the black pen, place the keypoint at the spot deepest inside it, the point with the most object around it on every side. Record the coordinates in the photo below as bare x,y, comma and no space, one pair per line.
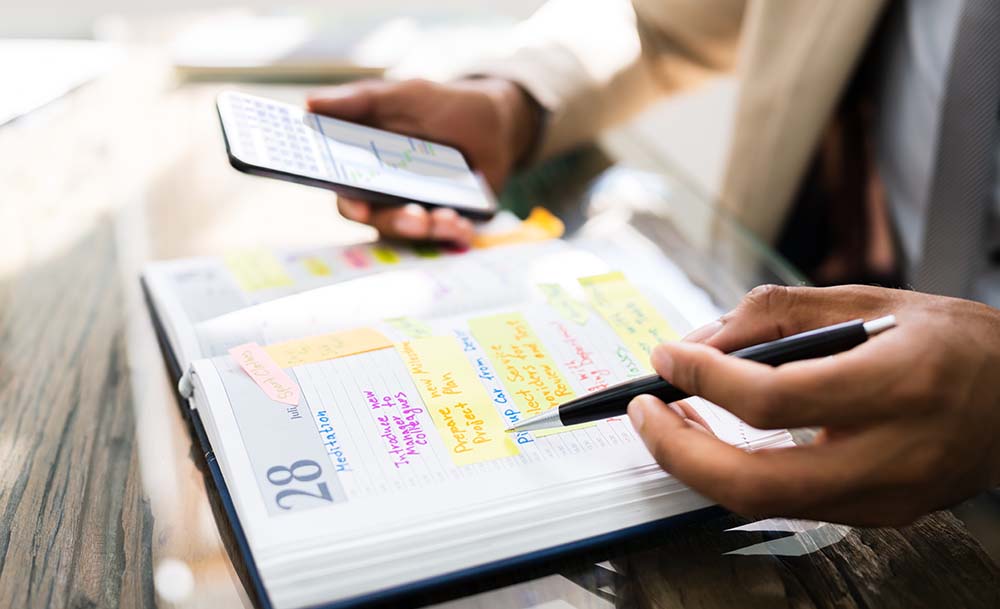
613,401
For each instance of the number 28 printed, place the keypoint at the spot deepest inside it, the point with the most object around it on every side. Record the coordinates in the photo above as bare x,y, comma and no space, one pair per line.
297,478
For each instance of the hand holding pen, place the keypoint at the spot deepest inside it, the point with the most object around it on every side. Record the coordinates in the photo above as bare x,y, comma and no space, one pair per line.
908,419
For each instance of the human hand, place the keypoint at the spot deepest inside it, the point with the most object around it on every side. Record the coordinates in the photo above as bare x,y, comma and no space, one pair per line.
489,119
910,419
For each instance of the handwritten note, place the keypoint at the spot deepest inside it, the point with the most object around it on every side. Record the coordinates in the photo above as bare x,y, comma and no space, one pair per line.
629,313
414,328
583,364
326,346
564,304
257,270
459,405
517,354
266,373
400,426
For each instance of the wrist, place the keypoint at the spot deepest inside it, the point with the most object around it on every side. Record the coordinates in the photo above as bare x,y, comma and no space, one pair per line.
520,118
526,120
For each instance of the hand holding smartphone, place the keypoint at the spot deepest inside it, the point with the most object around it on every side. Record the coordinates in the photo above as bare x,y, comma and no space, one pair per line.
283,141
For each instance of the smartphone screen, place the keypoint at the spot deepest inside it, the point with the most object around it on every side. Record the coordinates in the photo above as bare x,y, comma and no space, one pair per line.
284,141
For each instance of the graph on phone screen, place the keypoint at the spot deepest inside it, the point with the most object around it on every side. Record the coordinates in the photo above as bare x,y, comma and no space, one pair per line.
364,155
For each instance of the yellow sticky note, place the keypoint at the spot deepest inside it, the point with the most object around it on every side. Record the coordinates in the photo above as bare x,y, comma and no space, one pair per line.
385,255
540,225
257,270
563,304
326,346
414,328
315,266
528,371
459,404
629,313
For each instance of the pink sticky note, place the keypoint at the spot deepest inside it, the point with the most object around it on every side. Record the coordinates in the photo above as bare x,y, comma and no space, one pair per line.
266,373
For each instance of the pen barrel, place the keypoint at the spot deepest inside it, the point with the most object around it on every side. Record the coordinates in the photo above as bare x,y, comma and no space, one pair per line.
613,401
807,345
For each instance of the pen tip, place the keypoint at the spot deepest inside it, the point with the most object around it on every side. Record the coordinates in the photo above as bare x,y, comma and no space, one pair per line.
510,430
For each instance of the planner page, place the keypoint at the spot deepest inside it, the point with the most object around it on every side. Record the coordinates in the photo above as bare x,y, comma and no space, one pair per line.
459,282
361,457
187,292
452,285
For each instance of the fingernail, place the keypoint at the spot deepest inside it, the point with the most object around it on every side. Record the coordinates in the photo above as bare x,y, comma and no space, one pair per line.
662,361
408,225
635,412
704,332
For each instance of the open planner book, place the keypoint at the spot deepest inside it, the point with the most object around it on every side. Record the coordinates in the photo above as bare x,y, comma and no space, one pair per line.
353,401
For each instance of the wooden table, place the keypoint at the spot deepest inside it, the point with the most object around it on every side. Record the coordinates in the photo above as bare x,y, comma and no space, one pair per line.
102,500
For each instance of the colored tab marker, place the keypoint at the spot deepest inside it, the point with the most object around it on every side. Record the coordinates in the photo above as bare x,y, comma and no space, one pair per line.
326,346
540,225
266,373
356,257
526,368
257,270
316,267
629,313
385,255
470,426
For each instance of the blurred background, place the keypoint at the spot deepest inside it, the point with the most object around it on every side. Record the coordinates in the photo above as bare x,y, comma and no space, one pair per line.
50,47
70,19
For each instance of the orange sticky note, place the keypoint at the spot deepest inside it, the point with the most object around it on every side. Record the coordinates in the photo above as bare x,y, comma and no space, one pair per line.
316,267
540,225
326,346
259,366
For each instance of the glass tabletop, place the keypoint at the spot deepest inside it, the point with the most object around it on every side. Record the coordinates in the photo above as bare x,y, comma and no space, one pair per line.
667,207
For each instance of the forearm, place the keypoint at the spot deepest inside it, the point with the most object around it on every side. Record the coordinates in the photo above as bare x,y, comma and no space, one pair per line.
594,65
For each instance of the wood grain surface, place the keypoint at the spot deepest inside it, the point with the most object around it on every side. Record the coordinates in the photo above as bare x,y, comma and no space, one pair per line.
102,503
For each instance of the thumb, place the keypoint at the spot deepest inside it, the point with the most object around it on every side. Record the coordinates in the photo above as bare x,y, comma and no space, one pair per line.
656,424
353,102
681,446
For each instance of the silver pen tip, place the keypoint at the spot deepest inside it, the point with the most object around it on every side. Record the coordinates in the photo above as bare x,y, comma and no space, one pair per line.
546,420
881,324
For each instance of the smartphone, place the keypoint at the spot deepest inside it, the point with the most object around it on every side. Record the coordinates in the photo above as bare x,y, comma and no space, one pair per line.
278,140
